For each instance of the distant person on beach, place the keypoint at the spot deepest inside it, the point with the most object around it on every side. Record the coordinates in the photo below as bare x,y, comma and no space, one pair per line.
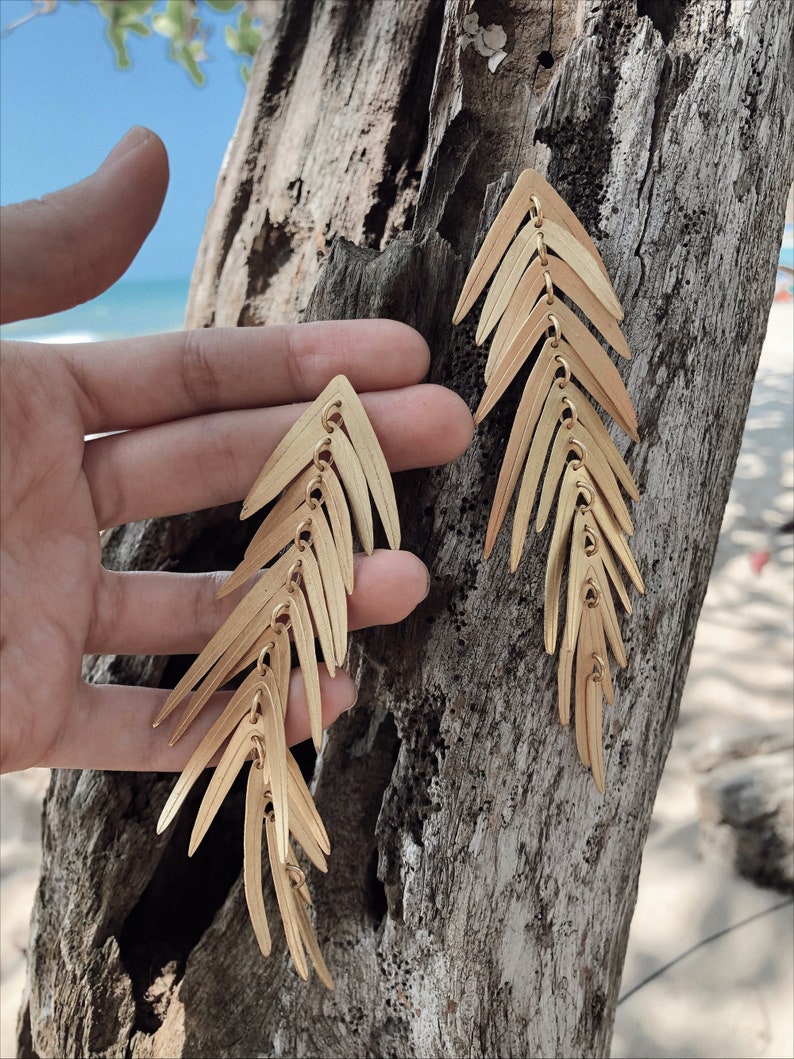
198,411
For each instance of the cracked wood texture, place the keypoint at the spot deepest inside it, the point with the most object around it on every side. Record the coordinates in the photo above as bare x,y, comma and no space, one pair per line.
480,890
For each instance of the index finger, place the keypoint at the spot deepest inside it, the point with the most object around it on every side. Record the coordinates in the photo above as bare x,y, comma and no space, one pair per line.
142,381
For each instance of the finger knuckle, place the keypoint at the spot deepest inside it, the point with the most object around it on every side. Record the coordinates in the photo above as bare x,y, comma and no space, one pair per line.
199,376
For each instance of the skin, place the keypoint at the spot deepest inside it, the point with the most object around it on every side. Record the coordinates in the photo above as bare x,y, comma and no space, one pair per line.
200,411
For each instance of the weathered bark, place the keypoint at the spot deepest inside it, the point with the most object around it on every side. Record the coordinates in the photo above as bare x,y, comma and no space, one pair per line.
480,891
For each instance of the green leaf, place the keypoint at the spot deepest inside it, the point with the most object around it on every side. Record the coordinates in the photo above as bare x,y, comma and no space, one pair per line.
175,10
136,7
124,11
190,64
166,26
140,28
116,36
223,5
246,38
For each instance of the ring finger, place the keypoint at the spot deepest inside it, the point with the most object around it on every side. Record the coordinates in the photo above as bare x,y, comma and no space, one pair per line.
167,613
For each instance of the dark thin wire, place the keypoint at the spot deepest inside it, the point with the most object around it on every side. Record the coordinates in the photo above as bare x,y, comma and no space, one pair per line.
705,941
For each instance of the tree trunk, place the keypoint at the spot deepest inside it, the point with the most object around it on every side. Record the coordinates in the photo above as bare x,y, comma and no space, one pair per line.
480,891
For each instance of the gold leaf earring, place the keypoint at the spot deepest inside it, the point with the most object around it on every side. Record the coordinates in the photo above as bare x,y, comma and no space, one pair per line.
557,428
328,460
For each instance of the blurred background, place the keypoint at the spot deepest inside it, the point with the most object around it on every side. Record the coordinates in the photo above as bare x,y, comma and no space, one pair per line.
710,967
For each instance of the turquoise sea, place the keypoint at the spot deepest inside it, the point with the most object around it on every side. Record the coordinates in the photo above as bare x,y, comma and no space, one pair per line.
148,307
129,308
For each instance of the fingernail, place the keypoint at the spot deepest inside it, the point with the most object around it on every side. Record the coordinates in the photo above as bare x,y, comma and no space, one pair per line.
427,590
353,703
128,142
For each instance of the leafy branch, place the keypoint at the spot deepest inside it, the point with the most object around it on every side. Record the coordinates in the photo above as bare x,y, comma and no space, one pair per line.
179,21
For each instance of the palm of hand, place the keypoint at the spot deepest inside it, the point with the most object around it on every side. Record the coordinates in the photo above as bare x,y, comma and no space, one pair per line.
50,556
194,415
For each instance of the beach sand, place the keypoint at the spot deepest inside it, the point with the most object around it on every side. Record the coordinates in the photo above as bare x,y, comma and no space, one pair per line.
733,995
21,794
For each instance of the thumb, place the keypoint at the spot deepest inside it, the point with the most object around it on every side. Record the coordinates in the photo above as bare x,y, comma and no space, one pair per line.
68,247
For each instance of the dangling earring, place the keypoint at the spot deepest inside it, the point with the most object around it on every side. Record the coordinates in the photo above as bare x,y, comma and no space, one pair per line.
556,426
309,534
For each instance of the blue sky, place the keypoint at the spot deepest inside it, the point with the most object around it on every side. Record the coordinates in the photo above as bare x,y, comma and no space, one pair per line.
63,104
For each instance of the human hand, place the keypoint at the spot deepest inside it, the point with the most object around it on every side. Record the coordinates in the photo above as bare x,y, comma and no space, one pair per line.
200,411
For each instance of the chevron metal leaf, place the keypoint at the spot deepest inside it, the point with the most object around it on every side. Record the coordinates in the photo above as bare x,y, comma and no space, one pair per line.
537,253
327,466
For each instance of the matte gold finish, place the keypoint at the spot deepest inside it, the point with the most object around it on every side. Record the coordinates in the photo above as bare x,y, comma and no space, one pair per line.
514,305
537,253
328,460
255,801
506,225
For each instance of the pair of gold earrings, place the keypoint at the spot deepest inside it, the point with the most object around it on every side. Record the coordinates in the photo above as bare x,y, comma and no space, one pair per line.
329,467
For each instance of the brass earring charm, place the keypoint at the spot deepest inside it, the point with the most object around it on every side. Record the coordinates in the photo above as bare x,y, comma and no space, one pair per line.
557,428
328,460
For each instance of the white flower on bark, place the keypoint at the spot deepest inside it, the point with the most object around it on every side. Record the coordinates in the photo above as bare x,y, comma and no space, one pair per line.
494,37
488,41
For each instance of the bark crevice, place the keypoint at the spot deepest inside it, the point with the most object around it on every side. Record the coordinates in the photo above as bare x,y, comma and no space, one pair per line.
179,903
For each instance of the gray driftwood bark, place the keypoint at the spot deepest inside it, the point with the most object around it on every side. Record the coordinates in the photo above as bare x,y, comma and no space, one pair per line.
480,891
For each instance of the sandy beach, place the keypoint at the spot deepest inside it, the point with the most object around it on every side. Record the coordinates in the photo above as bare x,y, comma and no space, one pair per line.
21,794
684,995
734,995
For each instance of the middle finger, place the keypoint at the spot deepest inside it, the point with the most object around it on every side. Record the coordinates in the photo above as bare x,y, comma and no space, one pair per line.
211,460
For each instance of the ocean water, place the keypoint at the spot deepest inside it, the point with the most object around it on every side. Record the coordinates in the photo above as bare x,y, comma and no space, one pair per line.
129,308
150,307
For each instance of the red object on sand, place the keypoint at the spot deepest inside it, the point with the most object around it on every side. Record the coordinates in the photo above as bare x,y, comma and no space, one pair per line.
758,560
